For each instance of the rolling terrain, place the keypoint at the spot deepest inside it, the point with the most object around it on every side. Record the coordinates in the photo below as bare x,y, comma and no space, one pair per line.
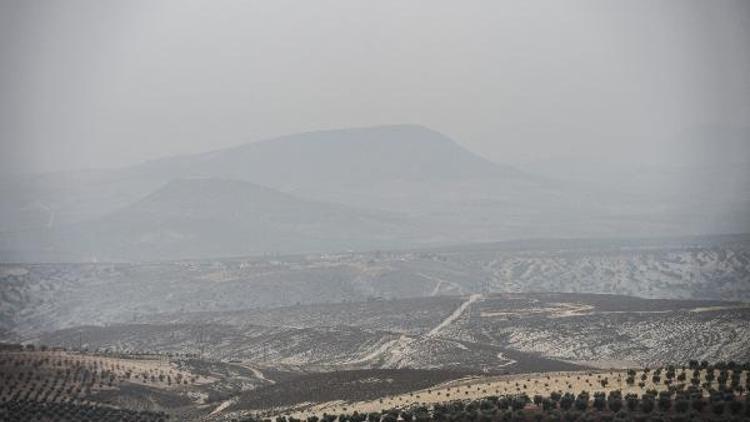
61,385
319,182
43,297
486,333
200,217
366,331
471,308
309,192
467,347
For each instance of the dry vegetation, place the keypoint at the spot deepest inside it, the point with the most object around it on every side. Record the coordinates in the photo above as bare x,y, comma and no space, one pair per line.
64,385
59,385
61,376
545,384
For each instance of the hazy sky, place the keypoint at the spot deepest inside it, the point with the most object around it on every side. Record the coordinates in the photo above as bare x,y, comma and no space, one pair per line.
109,83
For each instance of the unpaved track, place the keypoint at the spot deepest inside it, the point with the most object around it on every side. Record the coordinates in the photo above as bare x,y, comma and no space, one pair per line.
439,284
390,346
220,408
454,316
503,357
375,353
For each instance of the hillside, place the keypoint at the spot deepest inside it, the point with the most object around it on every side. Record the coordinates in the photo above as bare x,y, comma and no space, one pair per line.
201,217
369,331
72,385
38,297
441,193
323,161
357,156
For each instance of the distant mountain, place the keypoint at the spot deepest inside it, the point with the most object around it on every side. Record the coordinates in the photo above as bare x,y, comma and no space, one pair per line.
376,167
405,168
441,193
342,157
201,217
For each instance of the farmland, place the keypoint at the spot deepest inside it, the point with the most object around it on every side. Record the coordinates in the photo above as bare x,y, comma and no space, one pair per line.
367,332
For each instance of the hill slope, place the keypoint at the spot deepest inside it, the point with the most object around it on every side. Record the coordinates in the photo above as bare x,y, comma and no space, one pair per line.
454,195
216,217
375,167
343,157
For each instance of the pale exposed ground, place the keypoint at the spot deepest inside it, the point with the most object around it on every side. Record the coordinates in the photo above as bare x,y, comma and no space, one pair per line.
258,374
503,357
606,364
454,316
720,308
396,352
381,350
476,388
222,406
440,282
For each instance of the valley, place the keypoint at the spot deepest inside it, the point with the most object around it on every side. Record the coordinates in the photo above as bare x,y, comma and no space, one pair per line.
373,330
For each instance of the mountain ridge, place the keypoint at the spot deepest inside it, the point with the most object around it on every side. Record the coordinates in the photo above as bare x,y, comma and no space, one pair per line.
362,155
389,187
